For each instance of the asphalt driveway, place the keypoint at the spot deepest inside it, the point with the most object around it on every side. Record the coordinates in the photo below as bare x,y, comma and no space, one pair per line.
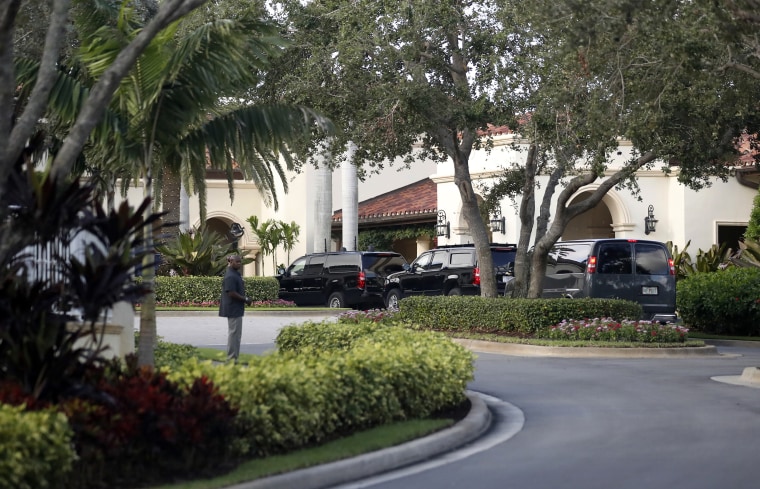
606,423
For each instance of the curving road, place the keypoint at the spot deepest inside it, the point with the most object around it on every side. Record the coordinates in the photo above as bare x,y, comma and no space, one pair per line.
589,423
613,423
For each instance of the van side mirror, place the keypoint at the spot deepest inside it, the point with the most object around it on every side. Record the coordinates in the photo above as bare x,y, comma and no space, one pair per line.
280,271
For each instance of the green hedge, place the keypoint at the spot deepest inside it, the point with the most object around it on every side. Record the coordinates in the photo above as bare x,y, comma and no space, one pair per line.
722,302
35,448
309,335
506,315
290,400
208,289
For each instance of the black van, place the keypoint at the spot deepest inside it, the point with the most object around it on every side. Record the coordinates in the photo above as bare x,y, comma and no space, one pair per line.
637,270
339,279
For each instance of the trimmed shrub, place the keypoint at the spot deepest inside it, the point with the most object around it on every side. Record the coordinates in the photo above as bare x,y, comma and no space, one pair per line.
169,355
506,315
722,302
36,450
323,336
359,378
199,290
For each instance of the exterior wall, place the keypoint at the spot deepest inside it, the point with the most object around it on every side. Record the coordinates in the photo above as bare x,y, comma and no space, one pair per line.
683,215
723,202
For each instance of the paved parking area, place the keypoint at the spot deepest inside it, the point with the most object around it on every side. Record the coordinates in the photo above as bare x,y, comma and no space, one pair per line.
208,329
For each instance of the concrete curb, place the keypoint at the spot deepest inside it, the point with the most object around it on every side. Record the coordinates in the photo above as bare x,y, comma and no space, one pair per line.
520,350
750,377
477,421
736,343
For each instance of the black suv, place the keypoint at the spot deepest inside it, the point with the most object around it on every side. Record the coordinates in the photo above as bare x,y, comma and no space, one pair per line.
339,279
448,270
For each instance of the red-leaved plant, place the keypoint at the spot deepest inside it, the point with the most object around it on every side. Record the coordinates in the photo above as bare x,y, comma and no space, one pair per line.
145,429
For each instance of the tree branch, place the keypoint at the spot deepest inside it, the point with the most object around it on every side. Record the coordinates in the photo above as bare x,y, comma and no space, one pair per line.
8,12
46,76
743,68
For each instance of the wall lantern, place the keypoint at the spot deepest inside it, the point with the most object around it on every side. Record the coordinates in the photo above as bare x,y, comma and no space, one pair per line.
498,222
650,223
236,231
442,227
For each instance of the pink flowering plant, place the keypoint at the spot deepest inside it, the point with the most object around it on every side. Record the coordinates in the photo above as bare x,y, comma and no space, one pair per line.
187,304
211,304
607,329
274,303
371,315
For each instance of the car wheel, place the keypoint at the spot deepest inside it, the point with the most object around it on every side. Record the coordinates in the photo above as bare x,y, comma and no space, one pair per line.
391,301
336,300
455,291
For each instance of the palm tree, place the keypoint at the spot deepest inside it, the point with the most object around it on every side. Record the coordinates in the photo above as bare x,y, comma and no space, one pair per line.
176,117
290,234
269,235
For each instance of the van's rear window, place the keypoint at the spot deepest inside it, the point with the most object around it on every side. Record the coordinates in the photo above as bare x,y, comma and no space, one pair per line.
614,258
651,260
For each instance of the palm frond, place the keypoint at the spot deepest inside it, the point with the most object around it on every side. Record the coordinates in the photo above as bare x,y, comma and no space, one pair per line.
231,46
67,98
218,59
139,90
253,139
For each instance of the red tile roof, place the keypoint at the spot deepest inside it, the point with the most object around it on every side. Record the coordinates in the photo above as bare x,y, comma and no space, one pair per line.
412,203
747,153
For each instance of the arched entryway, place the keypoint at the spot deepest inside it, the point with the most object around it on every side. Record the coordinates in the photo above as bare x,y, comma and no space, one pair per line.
594,223
237,234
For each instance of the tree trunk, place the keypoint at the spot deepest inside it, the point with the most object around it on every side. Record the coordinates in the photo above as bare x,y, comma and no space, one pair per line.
172,203
145,354
476,224
527,214
536,278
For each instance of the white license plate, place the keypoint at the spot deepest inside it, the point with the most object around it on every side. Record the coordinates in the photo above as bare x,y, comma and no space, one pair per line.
649,290
506,278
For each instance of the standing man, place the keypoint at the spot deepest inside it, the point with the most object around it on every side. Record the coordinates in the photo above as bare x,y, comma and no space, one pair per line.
232,305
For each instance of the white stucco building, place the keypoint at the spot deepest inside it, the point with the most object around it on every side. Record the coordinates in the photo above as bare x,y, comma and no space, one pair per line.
713,215
710,216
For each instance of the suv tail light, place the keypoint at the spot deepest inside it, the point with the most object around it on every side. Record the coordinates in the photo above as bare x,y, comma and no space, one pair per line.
362,282
476,276
671,266
591,267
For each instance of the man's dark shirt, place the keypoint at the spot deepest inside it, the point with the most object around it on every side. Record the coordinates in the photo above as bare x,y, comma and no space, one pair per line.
229,307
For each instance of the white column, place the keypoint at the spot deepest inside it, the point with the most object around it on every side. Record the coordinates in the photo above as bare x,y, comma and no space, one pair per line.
322,211
124,315
184,209
350,200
